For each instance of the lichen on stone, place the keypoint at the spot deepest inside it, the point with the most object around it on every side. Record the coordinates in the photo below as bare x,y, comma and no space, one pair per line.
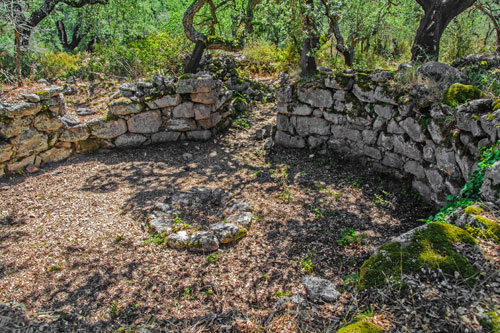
432,248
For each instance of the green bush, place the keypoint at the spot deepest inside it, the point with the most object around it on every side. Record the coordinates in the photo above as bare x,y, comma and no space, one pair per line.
158,53
50,65
265,58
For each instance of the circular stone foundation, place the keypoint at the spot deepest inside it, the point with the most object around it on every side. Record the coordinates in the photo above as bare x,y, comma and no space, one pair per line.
200,219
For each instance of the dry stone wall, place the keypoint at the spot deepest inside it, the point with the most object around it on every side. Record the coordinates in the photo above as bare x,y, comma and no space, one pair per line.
38,131
403,130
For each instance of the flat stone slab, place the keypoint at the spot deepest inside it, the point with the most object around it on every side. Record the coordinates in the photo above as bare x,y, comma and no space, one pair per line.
244,219
319,289
161,225
203,241
228,232
237,205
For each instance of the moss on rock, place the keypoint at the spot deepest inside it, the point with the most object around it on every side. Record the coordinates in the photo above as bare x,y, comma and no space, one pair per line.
492,231
496,106
432,247
460,93
361,327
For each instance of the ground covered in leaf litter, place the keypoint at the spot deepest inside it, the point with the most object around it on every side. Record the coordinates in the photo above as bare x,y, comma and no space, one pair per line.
75,253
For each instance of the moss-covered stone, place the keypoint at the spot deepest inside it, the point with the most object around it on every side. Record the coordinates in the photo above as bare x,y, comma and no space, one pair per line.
460,93
492,231
473,210
431,248
87,146
492,322
496,106
361,327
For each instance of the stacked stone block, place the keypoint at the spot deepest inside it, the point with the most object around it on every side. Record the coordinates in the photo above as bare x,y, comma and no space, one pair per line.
369,116
37,131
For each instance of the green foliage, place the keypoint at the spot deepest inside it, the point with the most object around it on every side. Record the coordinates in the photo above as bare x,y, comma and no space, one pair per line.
460,93
348,237
264,58
286,196
432,247
488,80
280,293
471,192
158,53
241,124
214,257
50,65
307,265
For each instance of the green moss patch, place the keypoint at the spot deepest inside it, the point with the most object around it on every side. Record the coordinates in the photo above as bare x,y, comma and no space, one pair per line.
490,229
431,248
496,106
492,323
460,93
361,327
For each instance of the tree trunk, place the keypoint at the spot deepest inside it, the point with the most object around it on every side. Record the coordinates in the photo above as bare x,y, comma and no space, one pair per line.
307,60
18,60
194,60
438,14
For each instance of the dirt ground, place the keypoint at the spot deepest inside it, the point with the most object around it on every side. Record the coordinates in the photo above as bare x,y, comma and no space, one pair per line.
73,244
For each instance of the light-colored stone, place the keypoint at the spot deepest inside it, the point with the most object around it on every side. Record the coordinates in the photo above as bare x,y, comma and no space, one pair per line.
392,160
164,102
47,122
237,205
282,122
436,180
181,125
384,111
228,233
335,118
445,160
74,134
30,142
318,98
467,122
21,164
130,140
162,137
382,95
289,141
385,141
428,153
423,189
435,132
394,128
204,83
244,219
302,110
364,94
161,225
210,97
412,128
202,111
308,126
107,129
406,238
203,241
178,240
407,148
314,141
202,135
85,111
369,137
125,106
145,123
372,152
55,155
415,169
489,123
183,110
465,164
32,98
23,109
14,127
319,289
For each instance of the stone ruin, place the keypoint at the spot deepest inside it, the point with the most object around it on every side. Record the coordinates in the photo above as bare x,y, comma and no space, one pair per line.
373,118
166,220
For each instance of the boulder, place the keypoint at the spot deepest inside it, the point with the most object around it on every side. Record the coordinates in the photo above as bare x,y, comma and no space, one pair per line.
308,126
441,73
13,127
125,106
55,155
184,110
178,240
162,137
289,141
30,142
23,109
47,122
318,98
5,152
200,84
244,219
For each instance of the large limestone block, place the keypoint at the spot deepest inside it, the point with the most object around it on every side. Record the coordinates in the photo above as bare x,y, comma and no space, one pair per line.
319,98
181,125
130,140
164,102
75,134
5,152
289,141
201,84
308,126
23,109
406,148
145,123
14,127
184,110
125,106
107,129
30,142
47,122
55,155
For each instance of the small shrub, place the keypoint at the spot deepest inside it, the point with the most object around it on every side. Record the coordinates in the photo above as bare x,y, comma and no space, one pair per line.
348,237
52,65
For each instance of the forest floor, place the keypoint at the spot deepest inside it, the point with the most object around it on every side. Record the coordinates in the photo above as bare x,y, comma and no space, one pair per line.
74,252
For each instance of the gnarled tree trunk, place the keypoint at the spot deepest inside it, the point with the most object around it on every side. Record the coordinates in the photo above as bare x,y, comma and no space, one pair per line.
438,14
